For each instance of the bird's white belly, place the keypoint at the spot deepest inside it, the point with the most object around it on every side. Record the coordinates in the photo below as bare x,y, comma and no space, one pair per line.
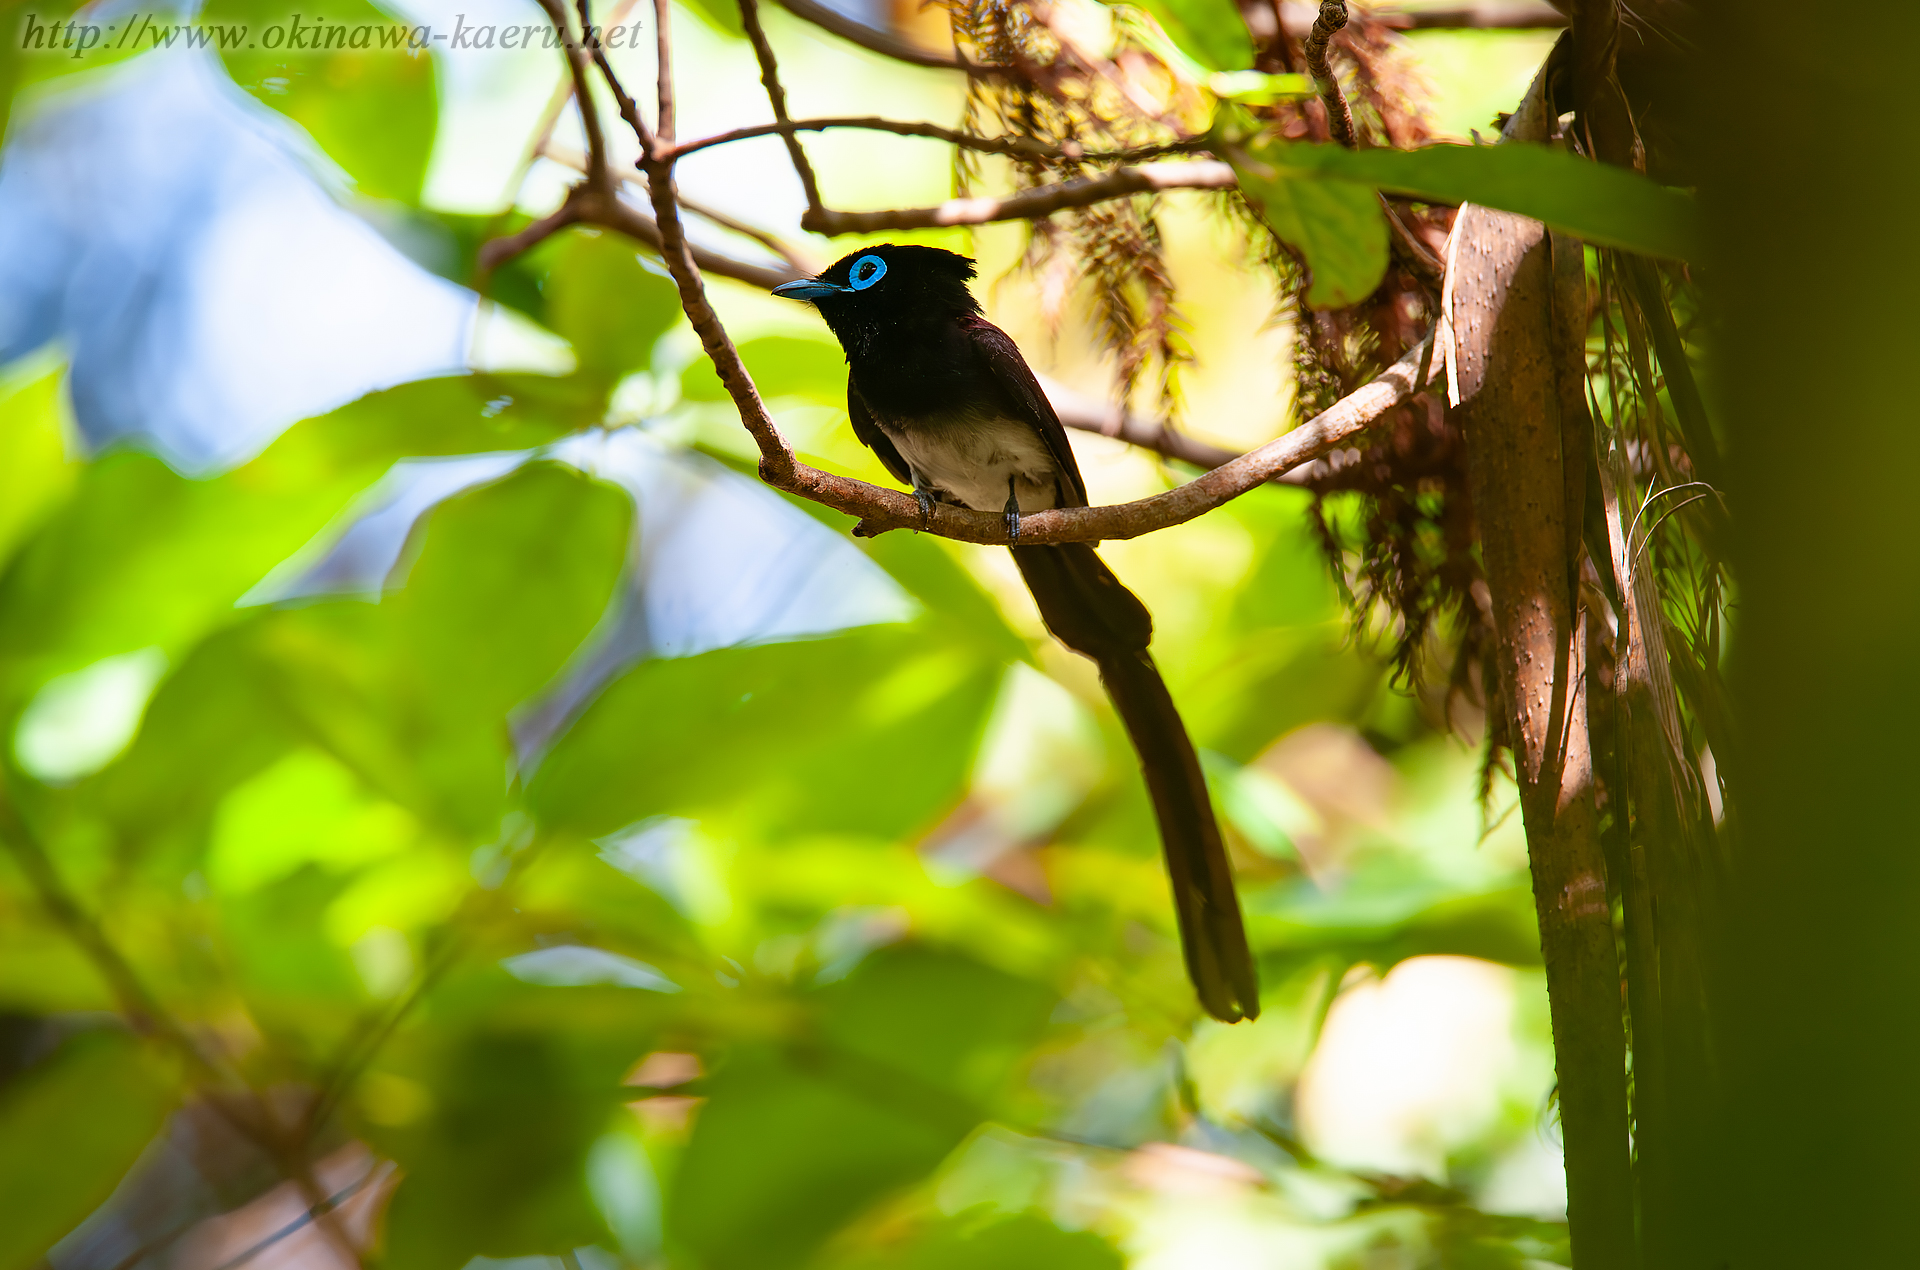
972,461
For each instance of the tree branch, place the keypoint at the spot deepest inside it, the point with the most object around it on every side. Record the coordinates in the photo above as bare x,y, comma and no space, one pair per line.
1191,174
777,98
1110,419
882,509
613,212
1487,15
1012,147
663,71
1333,17
578,62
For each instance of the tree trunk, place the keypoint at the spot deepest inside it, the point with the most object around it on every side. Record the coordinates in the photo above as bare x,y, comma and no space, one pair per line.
1509,374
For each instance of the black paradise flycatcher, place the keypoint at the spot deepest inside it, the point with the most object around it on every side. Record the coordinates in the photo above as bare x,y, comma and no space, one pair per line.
947,402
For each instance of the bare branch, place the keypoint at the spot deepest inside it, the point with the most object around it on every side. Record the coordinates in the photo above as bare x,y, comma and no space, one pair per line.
1013,147
663,72
614,212
1333,17
1313,439
803,260
587,206
1486,15
1110,419
1192,174
497,251
578,62
883,509
314,1212
777,98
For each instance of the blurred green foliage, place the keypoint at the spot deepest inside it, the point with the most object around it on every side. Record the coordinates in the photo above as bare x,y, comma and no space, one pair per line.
707,982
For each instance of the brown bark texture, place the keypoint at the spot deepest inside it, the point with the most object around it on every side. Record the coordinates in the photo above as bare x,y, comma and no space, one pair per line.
1520,417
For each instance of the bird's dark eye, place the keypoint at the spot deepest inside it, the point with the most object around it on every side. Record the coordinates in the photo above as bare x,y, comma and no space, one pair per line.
866,271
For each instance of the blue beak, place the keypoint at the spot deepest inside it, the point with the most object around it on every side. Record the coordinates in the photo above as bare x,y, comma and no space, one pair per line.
807,289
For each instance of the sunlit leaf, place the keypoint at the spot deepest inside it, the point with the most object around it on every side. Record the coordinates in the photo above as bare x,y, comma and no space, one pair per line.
1209,31
1603,204
140,556
782,366
608,305
508,581
1024,1241
815,735
1336,226
358,79
36,472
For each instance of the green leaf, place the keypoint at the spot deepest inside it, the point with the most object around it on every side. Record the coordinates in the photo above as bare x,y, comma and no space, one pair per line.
721,15
499,1168
448,244
305,809
1025,1241
212,725
939,1017
69,1130
140,556
607,304
414,695
793,1144
36,473
367,97
1336,225
1390,911
53,41
782,366
784,1153
1211,32
870,731
1606,205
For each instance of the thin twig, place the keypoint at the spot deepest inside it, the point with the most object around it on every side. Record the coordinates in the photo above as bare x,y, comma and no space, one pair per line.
586,205
1662,493
316,1211
1115,421
1333,17
777,98
1487,15
798,258
1193,174
1012,147
578,61
801,260
882,509
663,128
497,251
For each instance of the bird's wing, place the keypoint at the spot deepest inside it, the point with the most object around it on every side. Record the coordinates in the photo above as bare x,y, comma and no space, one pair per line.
1001,357
870,435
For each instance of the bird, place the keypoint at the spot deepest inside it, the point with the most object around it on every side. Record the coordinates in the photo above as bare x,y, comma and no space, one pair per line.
945,400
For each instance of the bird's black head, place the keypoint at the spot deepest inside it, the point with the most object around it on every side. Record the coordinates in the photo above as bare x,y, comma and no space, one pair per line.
886,286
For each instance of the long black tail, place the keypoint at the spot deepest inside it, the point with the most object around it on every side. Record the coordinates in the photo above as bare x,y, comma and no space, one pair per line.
1089,611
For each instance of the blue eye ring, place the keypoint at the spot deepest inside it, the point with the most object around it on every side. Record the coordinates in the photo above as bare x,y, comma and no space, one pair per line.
875,268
